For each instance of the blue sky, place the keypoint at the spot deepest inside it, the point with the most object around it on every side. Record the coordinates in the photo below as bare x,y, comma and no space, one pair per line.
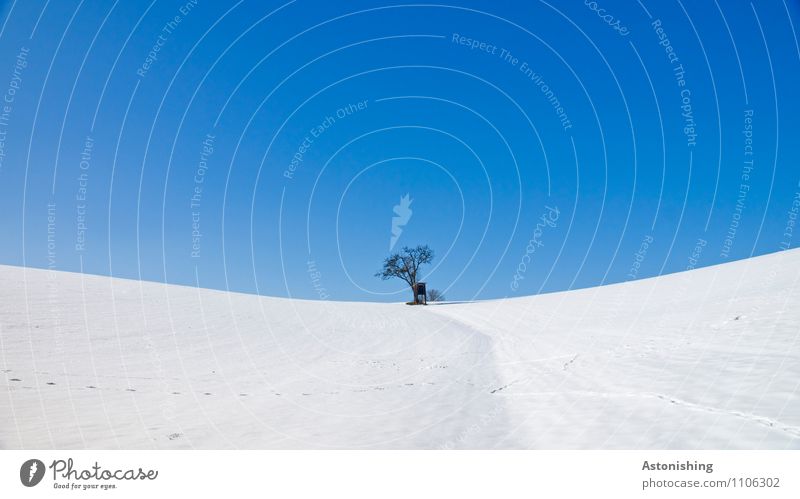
489,115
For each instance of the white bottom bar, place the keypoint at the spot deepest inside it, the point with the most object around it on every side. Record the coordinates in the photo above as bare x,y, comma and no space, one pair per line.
403,474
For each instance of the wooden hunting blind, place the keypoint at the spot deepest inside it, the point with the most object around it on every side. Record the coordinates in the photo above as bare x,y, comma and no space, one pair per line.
420,293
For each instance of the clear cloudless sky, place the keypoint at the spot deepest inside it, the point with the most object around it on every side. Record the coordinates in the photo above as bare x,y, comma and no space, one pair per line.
298,126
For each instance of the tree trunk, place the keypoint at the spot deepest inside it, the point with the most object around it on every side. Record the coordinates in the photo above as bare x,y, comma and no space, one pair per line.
414,292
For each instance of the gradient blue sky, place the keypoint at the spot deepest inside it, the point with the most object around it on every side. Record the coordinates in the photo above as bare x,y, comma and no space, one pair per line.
466,132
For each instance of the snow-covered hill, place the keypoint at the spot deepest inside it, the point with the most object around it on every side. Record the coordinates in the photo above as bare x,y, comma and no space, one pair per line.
702,359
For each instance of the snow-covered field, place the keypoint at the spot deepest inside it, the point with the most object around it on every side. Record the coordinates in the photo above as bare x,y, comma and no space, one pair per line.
702,359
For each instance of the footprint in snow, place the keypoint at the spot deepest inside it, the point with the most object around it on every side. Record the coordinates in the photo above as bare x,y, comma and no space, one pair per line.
567,364
15,379
173,436
50,383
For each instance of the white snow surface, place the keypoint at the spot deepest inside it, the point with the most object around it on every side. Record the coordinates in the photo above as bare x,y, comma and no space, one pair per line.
708,358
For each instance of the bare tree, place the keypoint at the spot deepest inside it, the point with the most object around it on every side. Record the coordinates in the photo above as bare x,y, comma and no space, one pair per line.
405,265
435,295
